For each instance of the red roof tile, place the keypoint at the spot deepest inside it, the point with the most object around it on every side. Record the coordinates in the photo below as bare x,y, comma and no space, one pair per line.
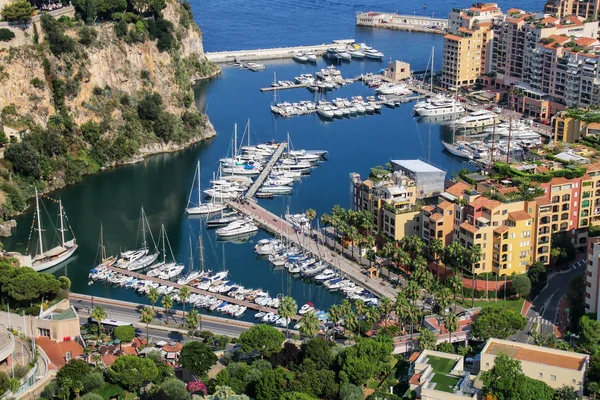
56,352
519,215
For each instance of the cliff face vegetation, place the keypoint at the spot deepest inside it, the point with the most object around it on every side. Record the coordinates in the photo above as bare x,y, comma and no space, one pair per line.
100,89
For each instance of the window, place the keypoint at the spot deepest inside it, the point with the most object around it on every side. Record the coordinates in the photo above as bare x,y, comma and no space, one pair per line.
504,212
552,377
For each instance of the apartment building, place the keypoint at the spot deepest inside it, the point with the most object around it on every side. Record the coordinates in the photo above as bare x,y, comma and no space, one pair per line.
557,368
592,275
467,48
584,9
570,130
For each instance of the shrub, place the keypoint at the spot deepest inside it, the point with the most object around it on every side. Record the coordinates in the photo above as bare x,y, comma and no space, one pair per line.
150,107
87,35
121,29
92,381
6,35
19,10
55,35
125,333
37,83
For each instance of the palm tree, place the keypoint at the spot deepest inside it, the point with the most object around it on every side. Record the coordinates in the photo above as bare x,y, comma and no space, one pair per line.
353,236
389,249
153,296
64,392
360,307
401,307
372,315
77,387
309,324
436,248
413,316
167,303
287,309
444,298
184,294
194,319
473,257
456,284
370,244
451,323
310,214
98,313
326,221
386,306
335,314
413,291
402,257
414,244
146,316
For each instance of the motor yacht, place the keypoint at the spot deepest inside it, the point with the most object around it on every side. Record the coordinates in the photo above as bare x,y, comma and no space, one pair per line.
477,119
236,228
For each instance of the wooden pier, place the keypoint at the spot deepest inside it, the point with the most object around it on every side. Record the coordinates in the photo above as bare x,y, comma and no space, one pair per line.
249,304
274,88
274,53
280,227
266,170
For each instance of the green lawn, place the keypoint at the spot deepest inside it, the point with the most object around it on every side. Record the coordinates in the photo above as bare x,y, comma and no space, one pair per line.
515,305
444,383
441,365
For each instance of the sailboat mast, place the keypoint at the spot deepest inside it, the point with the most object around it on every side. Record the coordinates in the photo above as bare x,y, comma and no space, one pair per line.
102,249
235,139
39,222
62,228
493,141
164,234
143,230
191,254
198,171
201,251
432,66
248,132
508,145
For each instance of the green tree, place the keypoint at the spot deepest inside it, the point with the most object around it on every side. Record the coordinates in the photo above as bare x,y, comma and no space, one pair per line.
593,389
335,313
263,339
226,393
197,357
153,296
401,307
193,320
446,347
386,306
91,396
366,359
309,324
565,393
272,385
589,334
349,391
65,283
319,351
576,298
131,372
456,285
167,303
427,340
92,381
98,314
287,309
521,285
444,298
538,276
147,316
171,388
497,322
124,333
72,372
18,10
184,294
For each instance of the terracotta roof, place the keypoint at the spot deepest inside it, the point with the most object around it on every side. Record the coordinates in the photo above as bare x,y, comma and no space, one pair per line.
436,217
484,7
428,208
56,352
549,20
538,356
415,379
519,215
138,341
593,167
465,30
457,189
467,226
559,181
501,229
542,201
585,41
485,201
514,10
484,24
445,204
174,348
541,169
454,38
508,190
414,356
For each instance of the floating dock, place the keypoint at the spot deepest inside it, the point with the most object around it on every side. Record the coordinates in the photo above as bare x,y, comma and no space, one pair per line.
274,53
266,170
251,305
274,88
281,228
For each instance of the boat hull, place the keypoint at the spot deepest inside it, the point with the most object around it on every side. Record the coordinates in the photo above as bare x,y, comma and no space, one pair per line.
55,261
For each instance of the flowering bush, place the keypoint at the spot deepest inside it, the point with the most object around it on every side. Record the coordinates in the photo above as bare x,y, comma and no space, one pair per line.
196,387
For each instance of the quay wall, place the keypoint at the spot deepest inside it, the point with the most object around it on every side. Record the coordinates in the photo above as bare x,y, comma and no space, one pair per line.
412,23
270,54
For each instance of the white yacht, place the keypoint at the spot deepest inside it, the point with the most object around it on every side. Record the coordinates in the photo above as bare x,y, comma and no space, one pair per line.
458,150
356,53
300,57
439,106
311,57
477,119
237,228
373,54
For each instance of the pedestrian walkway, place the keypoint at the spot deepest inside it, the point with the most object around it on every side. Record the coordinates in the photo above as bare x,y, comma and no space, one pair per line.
279,227
266,170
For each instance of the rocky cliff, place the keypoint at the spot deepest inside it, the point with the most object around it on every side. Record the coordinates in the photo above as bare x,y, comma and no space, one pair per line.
86,97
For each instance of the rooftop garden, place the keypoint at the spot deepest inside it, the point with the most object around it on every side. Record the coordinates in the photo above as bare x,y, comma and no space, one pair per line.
504,170
441,368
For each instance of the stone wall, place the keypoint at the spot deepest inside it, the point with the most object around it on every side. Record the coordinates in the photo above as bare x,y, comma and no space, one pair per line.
24,32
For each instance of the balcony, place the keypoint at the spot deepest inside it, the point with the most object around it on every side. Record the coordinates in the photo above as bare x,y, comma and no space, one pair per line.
544,240
543,250
544,231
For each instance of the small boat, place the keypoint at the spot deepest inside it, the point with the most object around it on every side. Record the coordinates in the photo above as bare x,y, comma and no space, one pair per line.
201,208
263,195
300,57
373,54
311,57
308,307
236,228
359,55
222,221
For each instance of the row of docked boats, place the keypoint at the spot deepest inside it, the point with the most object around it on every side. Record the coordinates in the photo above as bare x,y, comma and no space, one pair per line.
355,51
340,107
437,106
388,88
303,264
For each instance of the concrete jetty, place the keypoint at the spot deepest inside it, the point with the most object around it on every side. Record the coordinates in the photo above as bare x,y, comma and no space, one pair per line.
411,23
274,88
280,227
274,53
266,170
249,304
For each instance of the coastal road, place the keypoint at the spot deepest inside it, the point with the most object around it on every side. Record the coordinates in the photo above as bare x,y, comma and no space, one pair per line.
129,312
544,308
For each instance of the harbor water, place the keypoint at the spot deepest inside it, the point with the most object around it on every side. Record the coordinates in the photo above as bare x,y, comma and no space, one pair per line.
161,183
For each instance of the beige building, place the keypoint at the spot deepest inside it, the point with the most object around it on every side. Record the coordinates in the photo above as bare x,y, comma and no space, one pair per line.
584,9
592,275
557,368
398,70
467,48
434,375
